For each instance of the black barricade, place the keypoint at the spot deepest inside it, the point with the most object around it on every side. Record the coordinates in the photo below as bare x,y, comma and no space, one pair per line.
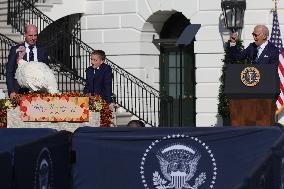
9,139
202,158
44,163
269,173
5,170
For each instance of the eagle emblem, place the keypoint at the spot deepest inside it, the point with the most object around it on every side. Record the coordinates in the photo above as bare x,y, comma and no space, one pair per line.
178,164
250,76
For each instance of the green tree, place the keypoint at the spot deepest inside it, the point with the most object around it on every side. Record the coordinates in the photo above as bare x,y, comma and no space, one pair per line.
223,105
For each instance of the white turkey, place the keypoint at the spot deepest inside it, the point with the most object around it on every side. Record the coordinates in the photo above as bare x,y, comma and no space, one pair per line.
36,76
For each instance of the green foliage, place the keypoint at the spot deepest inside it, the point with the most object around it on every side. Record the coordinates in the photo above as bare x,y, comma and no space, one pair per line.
223,106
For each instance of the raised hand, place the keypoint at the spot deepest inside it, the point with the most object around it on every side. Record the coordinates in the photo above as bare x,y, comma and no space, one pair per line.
21,52
233,37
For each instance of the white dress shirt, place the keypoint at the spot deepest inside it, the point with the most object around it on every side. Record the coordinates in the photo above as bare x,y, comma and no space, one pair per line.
28,51
261,48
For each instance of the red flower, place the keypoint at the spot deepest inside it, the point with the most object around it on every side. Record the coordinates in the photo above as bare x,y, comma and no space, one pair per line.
67,98
23,108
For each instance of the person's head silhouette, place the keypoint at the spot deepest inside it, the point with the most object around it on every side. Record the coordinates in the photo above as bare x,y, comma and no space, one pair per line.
135,123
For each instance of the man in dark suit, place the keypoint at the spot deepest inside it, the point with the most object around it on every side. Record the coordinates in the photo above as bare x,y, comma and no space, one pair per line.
99,77
260,52
29,51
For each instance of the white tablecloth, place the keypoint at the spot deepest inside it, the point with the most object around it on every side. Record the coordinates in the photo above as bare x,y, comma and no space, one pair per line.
14,121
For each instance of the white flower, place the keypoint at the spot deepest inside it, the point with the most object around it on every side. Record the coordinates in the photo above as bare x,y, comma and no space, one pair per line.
36,76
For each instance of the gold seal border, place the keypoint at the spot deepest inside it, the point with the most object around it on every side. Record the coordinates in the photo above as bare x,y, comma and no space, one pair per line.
247,69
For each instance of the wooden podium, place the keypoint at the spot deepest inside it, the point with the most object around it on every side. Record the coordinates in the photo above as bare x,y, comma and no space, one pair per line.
252,91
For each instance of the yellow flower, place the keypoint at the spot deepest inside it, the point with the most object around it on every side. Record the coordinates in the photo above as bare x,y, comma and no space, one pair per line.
98,106
8,104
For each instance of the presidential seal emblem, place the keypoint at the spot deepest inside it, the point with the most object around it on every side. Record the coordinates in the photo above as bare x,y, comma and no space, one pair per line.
44,170
178,162
250,76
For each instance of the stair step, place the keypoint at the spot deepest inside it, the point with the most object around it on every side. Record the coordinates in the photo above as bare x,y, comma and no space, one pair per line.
56,1
3,17
3,10
3,2
122,118
3,84
4,24
14,36
44,7
5,29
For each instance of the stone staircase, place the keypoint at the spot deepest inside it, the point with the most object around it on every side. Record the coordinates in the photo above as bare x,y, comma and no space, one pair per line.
121,117
5,29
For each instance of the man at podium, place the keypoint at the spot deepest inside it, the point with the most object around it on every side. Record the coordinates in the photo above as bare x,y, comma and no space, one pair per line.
261,51
252,89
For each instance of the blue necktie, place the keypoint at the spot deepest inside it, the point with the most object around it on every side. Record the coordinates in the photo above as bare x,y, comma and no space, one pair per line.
258,53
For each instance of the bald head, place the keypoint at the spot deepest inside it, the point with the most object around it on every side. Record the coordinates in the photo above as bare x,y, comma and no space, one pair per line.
30,27
30,34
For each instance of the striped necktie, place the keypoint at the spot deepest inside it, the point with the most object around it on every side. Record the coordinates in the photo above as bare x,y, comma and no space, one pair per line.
31,53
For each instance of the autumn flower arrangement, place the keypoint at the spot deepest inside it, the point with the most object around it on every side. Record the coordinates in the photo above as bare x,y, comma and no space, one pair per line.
4,105
96,103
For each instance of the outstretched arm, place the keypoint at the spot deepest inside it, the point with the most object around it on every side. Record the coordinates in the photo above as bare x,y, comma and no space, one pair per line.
86,89
108,84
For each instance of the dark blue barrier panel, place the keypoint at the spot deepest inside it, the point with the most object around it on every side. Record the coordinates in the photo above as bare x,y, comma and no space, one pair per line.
11,137
269,173
44,163
153,158
5,170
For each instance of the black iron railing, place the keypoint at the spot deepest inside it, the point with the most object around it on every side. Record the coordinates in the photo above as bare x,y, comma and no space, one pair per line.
131,93
5,45
67,80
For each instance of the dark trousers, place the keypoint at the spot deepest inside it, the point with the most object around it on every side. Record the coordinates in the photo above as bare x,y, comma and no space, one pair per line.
23,90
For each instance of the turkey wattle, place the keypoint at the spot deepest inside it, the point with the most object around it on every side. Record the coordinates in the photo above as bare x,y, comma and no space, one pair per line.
36,76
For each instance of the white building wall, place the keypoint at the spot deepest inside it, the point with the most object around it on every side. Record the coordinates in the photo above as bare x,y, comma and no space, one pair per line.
125,29
63,8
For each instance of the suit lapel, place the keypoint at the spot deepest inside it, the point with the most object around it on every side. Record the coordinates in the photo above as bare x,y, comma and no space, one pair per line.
39,54
264,52
99,71
261,58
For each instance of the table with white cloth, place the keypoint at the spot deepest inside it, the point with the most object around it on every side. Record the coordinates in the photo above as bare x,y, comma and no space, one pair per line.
14,121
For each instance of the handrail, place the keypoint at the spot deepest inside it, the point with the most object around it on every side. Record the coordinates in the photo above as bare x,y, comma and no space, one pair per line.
61,73
5,45
71,54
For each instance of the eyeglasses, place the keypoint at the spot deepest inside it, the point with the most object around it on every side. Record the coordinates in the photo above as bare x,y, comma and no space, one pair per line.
255,35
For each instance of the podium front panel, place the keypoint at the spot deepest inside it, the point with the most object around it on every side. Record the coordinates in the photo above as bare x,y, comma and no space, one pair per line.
267,85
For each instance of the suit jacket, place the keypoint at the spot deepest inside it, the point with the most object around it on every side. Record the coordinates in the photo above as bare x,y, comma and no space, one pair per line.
12,65
100,82
269,55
